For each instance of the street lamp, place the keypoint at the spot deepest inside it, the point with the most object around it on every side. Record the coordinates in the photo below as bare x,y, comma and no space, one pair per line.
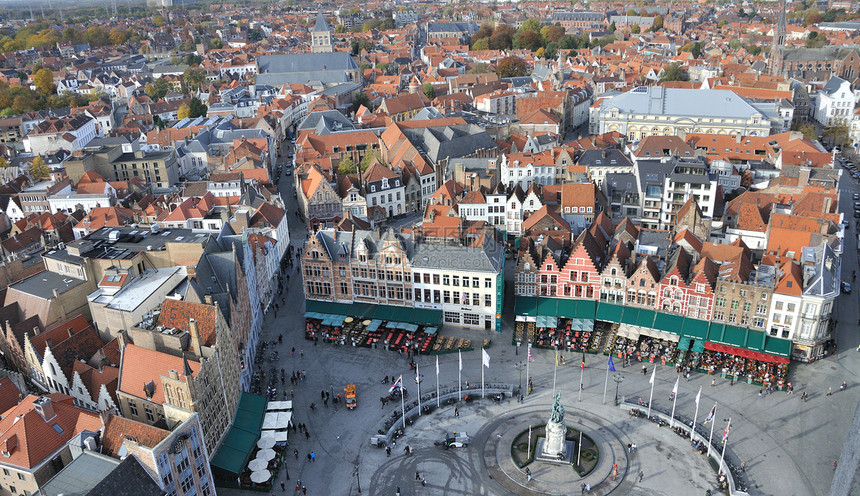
618,378
520,367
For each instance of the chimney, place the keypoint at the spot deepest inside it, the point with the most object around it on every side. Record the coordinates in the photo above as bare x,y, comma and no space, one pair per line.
803,177
195,336
71,331
827,204
173,374
44,408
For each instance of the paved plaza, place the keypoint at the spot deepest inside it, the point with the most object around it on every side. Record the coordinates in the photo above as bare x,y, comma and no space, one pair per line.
788,445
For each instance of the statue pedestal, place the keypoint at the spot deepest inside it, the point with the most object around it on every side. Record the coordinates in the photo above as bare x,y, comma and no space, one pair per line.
543,457
555,433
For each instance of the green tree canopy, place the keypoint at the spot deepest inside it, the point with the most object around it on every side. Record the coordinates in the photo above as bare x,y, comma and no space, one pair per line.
674,73
197,108
44,81
428,90
511,66
346,166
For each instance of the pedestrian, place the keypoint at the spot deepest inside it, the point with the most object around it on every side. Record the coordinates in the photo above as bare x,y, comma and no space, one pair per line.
688,377
759,392
641,475
298,486
398,491
744,466
307,434
844,386
529,474
588,488
714,382
634,447
293,351
313,457
309,457
388,451
830,391
283,486
417,475
304,489
834,465
423,482
302,353
456,412
582,486
644,370
325,402
296,452
630,447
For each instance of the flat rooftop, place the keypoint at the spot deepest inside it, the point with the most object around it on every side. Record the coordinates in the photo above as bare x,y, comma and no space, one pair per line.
124,244
137,291
44,283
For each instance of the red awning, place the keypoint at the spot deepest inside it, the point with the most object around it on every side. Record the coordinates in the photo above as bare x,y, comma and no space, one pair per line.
754,355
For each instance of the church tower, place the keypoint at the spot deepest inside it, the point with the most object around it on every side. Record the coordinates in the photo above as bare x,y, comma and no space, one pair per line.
321,36
774,62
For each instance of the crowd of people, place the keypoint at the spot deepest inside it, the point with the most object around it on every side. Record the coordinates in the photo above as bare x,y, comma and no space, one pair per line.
645,349
737,368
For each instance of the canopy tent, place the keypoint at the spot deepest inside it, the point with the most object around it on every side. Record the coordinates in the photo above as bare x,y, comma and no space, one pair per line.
280,436
240,441
374,325
741,352
430,330
274,406
277,420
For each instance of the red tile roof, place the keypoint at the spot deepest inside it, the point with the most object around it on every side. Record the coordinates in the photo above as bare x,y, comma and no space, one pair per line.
118,429
178,313
140,366
30,439
9,393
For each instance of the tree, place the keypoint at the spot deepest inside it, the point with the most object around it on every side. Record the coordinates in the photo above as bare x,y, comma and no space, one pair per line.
837,134
360,98
96,36
183,111
38,168
479,68
197,108
429,91
346,166
529,40
3,162
194,77
117,36
816,40
658,22
502,38
673,73
697,49
158,21
551,50
44,81
809,130
511,66
552,33
635,29
485,31
734,43
157,89
482,44
612,27
530,25
368,159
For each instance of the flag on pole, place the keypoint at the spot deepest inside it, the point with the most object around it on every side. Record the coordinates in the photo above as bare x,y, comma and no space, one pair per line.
611,365
711,414
556,358
460,359
397,384
530,353
726,432
698,395
437,364
583,363
653,376
675,389
485,358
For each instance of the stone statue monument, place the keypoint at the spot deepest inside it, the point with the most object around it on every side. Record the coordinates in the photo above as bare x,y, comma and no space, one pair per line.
555,444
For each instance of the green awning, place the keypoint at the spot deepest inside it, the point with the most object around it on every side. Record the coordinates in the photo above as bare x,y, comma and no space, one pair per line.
698,346
716,333
547,306
363,310
630,316
755,340
566,308
735,336
426,316
235,450
668,322
646,319
585,309
684,344
695,328
777,346
609,312
525,305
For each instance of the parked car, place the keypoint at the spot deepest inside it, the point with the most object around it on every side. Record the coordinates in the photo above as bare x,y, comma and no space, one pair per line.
857,196
846,287
456,440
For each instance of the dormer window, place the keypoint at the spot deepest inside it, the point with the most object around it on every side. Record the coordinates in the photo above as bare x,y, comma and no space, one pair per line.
373,188
384,183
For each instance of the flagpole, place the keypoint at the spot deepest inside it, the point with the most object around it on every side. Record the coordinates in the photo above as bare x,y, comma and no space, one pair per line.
725,444
581,372
693,429
711,435
674,401
651,398
605,384
438,401
402,403
459,380
528,361
554,371
483,394
418,383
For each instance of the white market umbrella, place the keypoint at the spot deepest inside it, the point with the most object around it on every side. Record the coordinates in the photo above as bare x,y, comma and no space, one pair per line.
266,442
258,464
260,476
266,454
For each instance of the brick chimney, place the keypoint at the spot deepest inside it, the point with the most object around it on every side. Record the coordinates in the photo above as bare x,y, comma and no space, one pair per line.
195,336
803,177
44,408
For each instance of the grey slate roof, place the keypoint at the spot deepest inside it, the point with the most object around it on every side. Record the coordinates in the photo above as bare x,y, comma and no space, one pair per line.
326,121
321,25
81,475
128,479
833,85
440,143
656,100
816,54
303,67
820,270
488,258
